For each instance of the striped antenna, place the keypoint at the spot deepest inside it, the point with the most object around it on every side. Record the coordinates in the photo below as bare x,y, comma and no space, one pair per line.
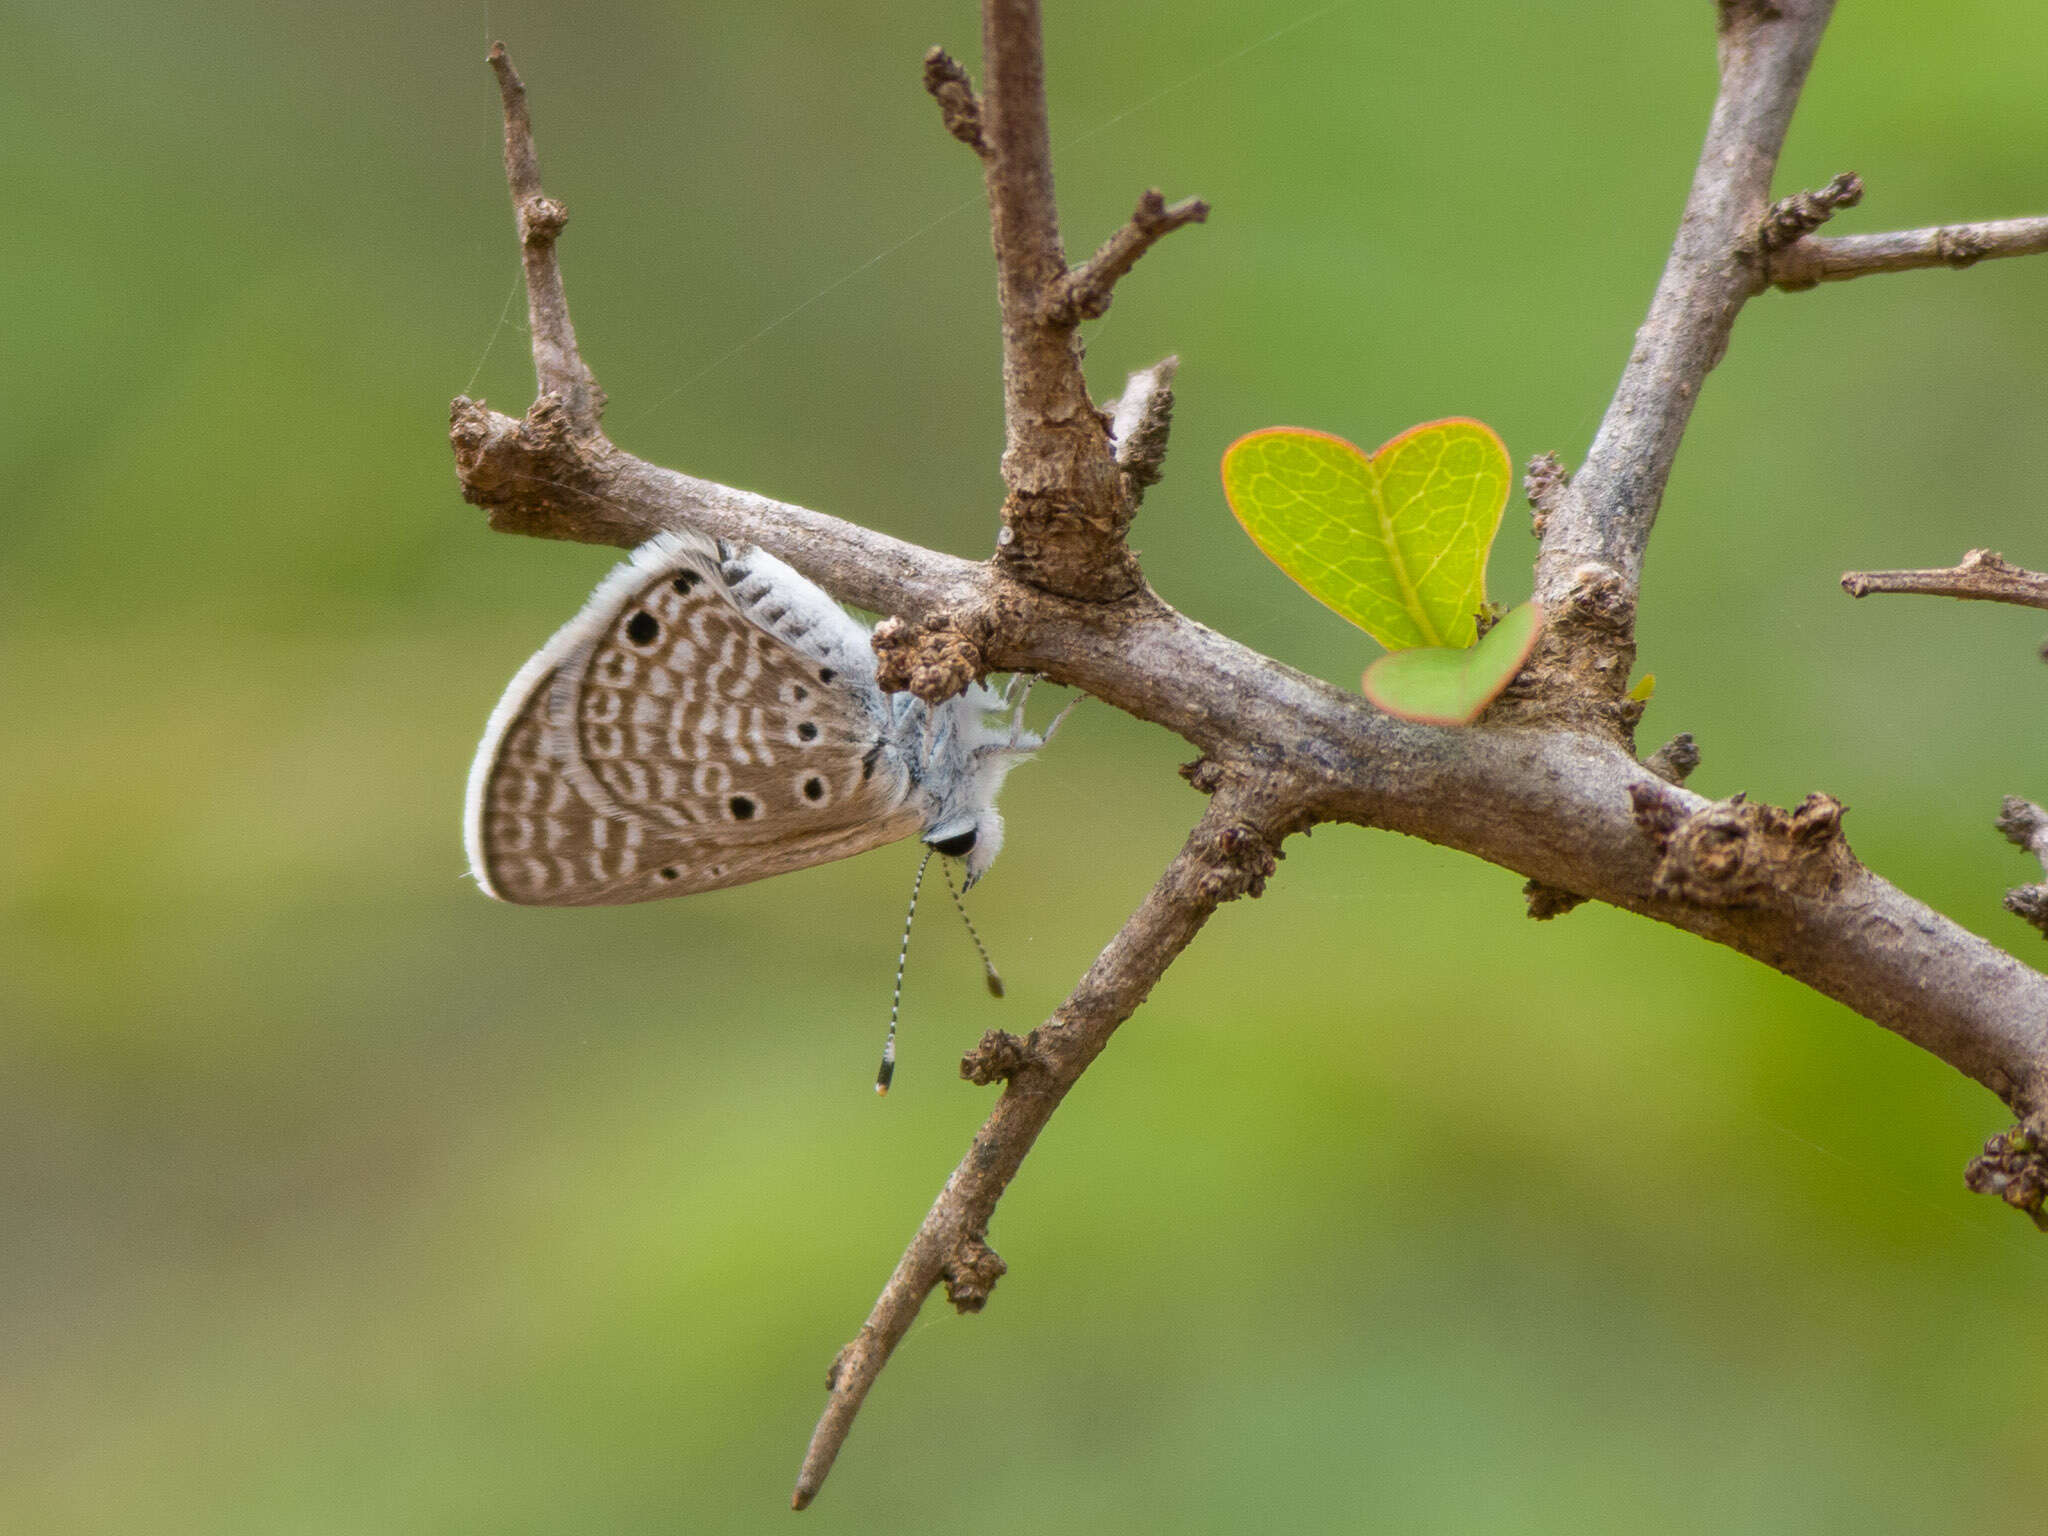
887,1073
995,980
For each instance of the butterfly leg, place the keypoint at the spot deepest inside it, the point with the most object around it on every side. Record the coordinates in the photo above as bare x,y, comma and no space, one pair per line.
1015,697
1056,719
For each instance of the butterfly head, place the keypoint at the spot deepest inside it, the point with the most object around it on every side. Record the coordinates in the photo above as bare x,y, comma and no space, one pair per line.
971,755
975,842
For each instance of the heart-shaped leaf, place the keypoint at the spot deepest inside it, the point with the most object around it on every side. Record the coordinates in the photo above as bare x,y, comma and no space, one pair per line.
1395,542
1439,686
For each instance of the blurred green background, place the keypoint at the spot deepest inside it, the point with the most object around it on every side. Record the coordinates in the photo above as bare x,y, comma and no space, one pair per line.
337,1199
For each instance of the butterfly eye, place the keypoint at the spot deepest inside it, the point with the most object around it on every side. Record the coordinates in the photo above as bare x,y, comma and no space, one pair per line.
958,846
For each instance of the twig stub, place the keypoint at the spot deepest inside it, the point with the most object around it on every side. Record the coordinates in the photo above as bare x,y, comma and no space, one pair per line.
1544,483
1743,853
1085,292
1793,218
1140,423
959,108
999,1057
2014,1167
934,662
538,473
2025,825
972,1273
1546,902
1675,761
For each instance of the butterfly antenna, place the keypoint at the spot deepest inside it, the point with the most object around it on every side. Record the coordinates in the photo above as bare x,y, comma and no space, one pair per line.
887,1074
995,980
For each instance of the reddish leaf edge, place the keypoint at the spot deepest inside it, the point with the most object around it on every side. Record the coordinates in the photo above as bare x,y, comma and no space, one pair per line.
1365,682
1393,442
1343,442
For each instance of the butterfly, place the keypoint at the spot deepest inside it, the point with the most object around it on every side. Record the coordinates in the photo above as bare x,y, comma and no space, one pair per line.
711,718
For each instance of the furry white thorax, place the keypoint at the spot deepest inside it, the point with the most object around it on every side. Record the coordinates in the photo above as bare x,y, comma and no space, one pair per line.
966,759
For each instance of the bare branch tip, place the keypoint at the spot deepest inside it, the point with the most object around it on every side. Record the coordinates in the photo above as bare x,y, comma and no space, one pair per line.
1795,217
1982,575
1084,293
971,1273
999,1057
1140,422
934,662
511,92
1743,853
1240,860
2029,903
1544,483
1675,761
1546,902
2014,1167
2024,824
947,82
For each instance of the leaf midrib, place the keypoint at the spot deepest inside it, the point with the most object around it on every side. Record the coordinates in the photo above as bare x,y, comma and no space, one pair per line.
1409,597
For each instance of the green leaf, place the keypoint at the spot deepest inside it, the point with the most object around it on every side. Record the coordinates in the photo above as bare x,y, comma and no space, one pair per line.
1440,686
1395,542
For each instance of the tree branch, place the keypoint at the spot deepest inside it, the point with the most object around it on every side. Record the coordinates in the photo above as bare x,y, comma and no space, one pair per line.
1981,576
1595,534
557,363
1084,293
1229,854
1553,805
1837,258
1069,507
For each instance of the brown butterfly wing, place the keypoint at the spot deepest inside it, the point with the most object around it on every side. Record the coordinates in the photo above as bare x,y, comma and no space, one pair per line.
711,718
